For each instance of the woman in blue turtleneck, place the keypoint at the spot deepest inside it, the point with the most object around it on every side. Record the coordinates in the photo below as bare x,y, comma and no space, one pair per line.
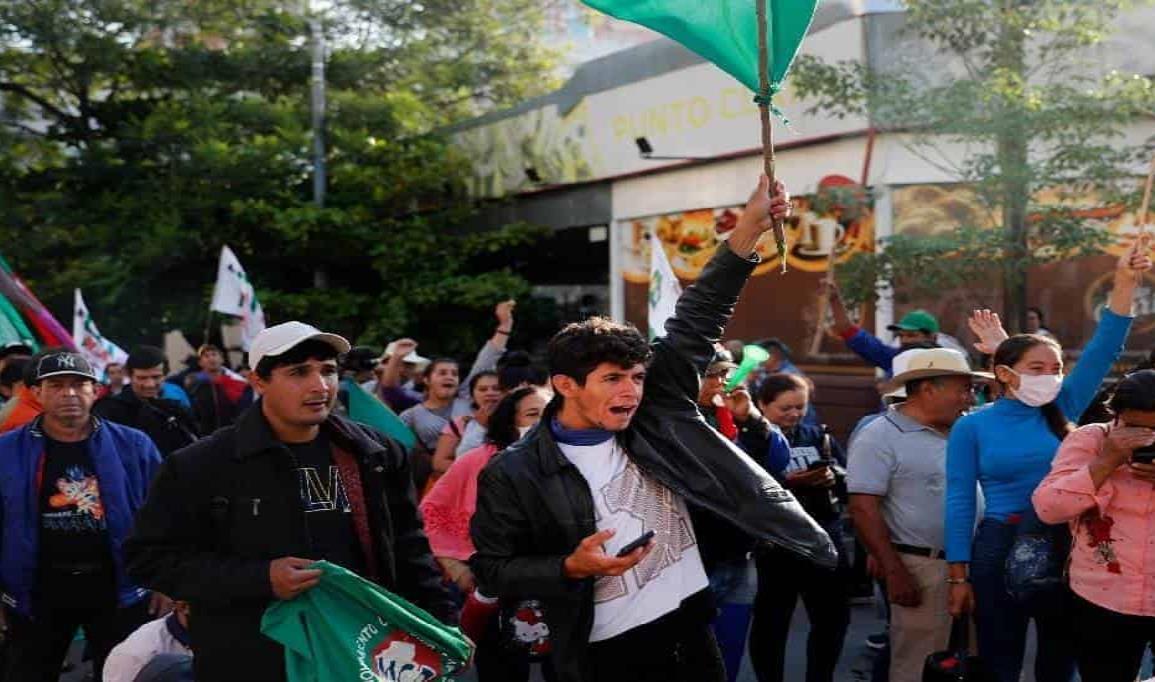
1006,450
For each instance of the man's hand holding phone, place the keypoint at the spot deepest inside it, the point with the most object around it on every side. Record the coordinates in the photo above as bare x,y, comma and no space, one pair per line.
590,559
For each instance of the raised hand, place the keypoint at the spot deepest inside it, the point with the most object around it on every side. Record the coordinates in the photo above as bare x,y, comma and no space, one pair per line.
1130,269
759,215
1137,258
987,326
504,313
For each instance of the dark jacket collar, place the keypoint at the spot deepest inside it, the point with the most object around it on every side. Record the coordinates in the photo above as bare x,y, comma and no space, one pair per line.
254,435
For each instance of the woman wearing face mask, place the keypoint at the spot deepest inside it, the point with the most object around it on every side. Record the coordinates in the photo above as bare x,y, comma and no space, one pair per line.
448,509
1006,450
1101,484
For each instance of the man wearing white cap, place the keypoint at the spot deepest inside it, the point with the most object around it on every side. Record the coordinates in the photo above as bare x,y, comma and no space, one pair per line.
235,520
896,477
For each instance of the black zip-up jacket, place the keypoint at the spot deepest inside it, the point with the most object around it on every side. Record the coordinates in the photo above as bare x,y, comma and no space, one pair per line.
534,507
220,510
168,423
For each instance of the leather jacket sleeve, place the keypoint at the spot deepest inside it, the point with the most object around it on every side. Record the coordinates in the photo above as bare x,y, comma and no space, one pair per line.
417,574
502,565
753,435
700,318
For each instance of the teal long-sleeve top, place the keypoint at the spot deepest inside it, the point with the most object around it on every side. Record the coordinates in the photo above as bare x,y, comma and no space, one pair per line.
1007,448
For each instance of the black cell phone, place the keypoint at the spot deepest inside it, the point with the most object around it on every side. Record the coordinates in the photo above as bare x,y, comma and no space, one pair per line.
1144,455
640,542
820,464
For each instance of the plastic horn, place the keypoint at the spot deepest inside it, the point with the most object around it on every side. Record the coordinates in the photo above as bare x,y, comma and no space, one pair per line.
752,356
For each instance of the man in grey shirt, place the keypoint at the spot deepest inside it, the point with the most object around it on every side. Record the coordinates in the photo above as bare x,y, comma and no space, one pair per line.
896,477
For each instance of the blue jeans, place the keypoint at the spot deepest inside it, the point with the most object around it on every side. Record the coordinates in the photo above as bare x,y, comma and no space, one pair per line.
734,586
1001,622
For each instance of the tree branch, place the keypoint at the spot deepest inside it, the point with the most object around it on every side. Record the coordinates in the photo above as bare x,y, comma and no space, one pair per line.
22,91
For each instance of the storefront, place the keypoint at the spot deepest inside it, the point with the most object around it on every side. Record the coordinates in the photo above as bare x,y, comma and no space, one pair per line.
582,158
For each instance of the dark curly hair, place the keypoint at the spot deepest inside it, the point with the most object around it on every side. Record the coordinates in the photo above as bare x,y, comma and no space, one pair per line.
580,347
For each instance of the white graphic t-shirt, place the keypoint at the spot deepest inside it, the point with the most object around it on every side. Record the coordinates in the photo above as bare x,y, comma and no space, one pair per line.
632,504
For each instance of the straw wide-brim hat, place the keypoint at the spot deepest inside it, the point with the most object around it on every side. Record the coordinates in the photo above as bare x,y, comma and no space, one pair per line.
928,363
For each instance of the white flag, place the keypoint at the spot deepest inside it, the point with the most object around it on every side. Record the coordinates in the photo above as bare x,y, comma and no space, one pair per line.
99,351
665,290
234,295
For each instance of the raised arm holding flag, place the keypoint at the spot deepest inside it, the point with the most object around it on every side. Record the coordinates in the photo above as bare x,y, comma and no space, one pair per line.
754,41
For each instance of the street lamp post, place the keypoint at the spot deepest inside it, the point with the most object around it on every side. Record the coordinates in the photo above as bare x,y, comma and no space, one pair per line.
317,107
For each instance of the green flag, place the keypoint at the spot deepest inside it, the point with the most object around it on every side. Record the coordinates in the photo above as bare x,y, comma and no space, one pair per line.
368,410
724,31
348,629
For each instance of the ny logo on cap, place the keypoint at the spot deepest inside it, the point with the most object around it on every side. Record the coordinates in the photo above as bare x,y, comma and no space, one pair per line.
66,361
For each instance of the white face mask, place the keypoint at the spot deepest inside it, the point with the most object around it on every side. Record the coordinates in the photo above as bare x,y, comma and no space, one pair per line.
522,430
1037,390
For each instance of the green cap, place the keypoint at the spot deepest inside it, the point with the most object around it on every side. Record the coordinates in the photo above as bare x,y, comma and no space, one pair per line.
916,321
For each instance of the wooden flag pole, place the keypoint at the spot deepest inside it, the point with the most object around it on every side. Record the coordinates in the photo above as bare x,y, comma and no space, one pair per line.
1146,206
767,129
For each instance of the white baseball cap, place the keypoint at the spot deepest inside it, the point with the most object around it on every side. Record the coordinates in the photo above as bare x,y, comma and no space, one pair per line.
282,338
413,358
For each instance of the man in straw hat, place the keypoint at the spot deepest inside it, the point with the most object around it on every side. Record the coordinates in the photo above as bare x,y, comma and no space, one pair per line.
897,477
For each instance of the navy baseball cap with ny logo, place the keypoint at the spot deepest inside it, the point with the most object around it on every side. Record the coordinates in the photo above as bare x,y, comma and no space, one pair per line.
62,364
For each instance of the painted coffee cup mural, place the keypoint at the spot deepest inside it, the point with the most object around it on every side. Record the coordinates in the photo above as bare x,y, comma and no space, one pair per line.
837,218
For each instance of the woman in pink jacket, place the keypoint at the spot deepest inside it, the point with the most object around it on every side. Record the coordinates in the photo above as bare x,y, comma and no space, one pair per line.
1103,484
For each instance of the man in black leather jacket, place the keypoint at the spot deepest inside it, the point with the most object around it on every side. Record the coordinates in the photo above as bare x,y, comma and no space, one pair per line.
623,450
234,521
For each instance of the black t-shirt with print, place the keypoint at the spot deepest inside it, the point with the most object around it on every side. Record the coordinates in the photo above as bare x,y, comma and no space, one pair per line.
328,514
73,530
75,557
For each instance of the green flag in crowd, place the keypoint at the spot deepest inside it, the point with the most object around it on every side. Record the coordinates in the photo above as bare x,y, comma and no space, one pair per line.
724,31
348,629
368,410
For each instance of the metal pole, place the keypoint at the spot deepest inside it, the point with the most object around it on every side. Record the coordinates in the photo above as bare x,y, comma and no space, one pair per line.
317,101
317,105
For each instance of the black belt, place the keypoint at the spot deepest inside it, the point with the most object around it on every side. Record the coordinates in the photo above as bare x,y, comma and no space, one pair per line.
919,551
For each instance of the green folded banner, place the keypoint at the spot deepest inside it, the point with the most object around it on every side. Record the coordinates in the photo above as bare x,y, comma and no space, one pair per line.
724,31
368,410
348,629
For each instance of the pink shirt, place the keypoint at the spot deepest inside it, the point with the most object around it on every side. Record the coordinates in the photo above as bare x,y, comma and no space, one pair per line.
1113,528
449,506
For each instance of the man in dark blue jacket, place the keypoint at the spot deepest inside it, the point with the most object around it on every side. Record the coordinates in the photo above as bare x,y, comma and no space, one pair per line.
70,485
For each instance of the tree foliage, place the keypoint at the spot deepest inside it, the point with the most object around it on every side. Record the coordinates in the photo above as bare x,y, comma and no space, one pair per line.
1020,89
138,136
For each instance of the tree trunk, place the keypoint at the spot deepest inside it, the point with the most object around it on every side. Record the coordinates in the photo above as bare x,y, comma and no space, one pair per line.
1013,142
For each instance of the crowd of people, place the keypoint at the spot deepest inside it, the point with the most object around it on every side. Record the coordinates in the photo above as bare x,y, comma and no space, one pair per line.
624,510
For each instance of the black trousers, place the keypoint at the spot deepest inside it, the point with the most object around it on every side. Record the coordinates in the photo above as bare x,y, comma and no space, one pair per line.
36,648
1109,646
783,577
678,647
